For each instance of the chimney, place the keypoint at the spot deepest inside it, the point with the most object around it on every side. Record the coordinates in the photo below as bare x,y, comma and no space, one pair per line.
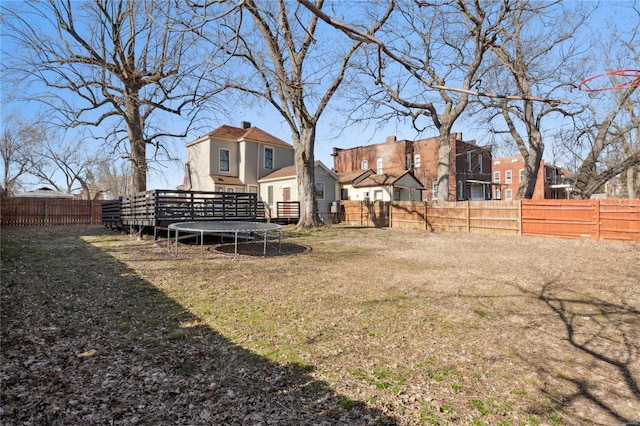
245,124
391,139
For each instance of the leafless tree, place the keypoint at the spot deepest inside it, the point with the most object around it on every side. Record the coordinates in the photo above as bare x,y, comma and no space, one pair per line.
129,67
280,56
56,160
112,179
531,61
611,145
610,136
19,139
429,62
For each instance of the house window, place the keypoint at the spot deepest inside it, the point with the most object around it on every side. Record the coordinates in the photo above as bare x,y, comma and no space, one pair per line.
496,177
224,160
268,158
468,161
520,175
379,166
396,195
344,194
460,191
377,195
319,191
364,165
434,191
507,176
508,195
480,162
417,160
270,195
230,189
498,194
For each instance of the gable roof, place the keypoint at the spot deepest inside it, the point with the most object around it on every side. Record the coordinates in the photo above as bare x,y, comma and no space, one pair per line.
285,172
239,134
290,172
385,179
353,177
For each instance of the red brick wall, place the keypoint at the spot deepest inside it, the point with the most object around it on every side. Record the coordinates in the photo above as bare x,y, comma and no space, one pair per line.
394,154
515,164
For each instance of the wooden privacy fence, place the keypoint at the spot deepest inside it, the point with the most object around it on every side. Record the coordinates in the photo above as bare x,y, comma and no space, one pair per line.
37,211
596,219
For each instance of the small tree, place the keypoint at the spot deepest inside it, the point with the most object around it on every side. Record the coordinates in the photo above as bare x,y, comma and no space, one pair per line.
55,160
17,146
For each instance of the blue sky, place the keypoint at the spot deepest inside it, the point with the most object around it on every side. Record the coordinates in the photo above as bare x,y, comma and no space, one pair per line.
169,175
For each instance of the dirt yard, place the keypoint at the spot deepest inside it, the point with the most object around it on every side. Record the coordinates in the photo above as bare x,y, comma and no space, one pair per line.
345,327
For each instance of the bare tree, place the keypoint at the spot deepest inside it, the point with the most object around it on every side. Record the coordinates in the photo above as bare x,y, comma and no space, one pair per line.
532,62
18,141
428,62
122,66
279,56
601,137
55,160
112,179
610,137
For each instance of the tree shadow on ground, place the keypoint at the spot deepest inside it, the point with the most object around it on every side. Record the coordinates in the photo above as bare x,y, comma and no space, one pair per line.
583,349
603,333
86,340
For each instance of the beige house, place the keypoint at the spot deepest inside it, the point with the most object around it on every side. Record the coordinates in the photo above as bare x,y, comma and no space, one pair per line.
282,185
233,159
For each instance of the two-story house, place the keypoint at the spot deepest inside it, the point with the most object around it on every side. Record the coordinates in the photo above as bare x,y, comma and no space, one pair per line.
553,182
469,170
248,159
233,159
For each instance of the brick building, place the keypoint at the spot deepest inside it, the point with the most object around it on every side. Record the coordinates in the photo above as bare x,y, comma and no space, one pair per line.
553,182
470,165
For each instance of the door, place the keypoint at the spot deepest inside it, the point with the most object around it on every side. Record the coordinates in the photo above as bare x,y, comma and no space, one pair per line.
286,196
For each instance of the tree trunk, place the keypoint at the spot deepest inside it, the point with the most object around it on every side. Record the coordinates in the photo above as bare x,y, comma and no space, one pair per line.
533,158
444,162
630,181
135,130
304,159
444,166
138,165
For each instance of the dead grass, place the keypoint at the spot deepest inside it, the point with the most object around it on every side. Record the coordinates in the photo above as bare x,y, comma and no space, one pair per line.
347,326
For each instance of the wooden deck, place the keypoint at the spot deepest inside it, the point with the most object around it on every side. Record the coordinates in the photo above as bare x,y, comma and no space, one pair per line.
160,208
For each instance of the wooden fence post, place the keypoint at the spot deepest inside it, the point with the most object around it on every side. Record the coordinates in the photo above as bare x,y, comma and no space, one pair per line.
468,218
596,206
520,218
426,220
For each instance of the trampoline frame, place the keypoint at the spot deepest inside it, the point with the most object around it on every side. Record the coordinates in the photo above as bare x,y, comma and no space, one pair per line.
202,228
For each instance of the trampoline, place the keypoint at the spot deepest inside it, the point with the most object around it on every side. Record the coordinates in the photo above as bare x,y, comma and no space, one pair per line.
223,228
